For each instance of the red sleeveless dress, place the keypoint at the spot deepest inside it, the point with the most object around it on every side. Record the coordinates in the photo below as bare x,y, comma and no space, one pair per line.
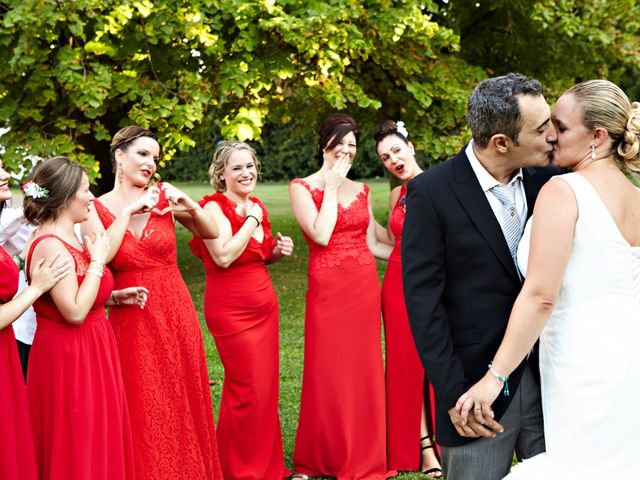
241,310
17,457
163,360
404,373
74,384
342,428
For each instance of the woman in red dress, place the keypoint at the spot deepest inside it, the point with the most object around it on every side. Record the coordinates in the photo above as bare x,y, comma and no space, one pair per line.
409,441
341,431
161,349
241,310
17,456
74,382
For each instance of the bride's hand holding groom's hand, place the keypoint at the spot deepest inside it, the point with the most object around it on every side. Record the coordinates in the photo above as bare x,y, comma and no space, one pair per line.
473,409
473,428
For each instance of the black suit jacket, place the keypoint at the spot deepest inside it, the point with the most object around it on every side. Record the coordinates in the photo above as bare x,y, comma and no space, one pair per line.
460,281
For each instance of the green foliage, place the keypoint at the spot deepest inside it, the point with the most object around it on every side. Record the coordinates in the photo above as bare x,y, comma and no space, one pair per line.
269,71
76,71
560,42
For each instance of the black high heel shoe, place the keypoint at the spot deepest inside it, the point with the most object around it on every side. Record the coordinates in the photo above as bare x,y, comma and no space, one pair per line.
435,472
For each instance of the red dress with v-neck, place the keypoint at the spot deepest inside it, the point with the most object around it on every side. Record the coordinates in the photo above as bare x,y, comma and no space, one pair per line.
163,360
241,310
17,457
74,384
342,429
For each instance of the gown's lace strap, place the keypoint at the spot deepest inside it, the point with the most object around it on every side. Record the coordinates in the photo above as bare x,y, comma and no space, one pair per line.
317,195
302,182
80,262
104,214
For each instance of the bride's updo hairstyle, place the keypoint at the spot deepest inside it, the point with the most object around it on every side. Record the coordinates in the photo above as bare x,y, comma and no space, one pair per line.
50,187
606,106
386,128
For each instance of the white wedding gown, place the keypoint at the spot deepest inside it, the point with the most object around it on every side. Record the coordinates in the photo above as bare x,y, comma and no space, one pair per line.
590,354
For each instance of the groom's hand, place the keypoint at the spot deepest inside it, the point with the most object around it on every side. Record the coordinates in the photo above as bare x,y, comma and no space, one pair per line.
473,428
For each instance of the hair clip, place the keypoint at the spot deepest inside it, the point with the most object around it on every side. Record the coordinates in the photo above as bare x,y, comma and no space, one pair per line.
400,128
33,190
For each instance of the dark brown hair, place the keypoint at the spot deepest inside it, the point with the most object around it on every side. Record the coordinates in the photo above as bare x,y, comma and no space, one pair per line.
494,108
125,137
386,128
333,130
61,178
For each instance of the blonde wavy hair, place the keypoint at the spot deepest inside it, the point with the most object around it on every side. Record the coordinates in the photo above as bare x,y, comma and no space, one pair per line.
221,155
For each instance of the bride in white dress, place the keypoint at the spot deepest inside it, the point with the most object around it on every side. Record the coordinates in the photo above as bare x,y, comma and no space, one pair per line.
581,295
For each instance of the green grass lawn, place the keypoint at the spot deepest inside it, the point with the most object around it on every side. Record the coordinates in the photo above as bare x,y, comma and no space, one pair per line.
290,281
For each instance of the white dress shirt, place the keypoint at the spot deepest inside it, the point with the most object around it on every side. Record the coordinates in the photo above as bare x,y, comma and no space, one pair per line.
487,182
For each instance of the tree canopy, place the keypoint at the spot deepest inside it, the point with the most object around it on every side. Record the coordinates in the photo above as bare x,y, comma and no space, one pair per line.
74,72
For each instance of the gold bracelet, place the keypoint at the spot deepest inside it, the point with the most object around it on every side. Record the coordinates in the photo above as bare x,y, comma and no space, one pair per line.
94,271
113,297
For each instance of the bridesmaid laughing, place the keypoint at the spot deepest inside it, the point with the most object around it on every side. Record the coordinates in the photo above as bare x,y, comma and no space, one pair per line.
241,310
341,431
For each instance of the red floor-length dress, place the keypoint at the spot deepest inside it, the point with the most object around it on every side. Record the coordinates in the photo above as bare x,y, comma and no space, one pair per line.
74,384
342,427
405,379
241,310
17,457
163,360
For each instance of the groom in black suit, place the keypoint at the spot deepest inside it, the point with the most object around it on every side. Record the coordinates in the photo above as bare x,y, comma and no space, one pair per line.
460,276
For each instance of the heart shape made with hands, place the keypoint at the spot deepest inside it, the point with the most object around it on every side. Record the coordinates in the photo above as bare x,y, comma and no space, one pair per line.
174,206
173,199
162,212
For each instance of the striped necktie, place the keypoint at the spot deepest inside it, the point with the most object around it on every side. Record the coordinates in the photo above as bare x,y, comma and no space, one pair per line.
508,214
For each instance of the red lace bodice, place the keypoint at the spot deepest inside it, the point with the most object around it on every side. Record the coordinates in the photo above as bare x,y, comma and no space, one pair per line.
46,311
156,246
396,221
349,237
255,251
9,274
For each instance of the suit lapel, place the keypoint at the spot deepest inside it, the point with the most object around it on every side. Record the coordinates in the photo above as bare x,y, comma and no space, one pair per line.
466,188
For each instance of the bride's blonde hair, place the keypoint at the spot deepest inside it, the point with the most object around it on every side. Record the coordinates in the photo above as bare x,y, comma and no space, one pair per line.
605,105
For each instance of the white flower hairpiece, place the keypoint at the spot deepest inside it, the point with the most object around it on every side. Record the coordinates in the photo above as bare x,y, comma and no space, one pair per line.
400,128
33,190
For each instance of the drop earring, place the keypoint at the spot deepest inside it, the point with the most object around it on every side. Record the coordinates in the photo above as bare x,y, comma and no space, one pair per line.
120,174
593,152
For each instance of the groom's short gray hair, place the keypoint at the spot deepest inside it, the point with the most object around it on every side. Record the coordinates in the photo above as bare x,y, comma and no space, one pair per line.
493,106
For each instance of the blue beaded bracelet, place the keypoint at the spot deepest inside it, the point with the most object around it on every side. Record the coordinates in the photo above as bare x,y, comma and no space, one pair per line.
500,378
